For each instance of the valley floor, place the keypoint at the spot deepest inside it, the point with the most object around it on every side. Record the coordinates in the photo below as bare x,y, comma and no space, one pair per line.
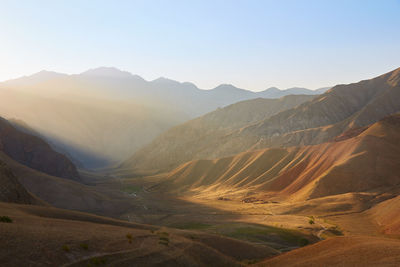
160,229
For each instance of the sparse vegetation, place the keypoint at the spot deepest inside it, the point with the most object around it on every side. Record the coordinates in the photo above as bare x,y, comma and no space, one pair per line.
250,262
5,219
192,226
130,238
84,246
66,248
163,238
131,189
97,261
311,220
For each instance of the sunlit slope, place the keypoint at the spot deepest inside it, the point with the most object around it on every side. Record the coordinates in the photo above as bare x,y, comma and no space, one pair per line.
387,216
360,163
326,116
201,137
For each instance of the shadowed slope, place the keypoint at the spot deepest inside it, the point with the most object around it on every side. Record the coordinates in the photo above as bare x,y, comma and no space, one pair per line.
34,152
10,189
43,236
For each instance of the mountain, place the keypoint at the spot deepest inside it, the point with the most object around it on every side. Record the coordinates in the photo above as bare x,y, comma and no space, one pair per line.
319,120
103,115
360,161
33,152
198,138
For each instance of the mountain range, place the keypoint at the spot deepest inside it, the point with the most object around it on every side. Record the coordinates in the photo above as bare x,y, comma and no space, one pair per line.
101,116
342,108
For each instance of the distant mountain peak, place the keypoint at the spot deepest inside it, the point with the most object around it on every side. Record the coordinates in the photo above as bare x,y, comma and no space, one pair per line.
109,72
165,81
226,86
272,89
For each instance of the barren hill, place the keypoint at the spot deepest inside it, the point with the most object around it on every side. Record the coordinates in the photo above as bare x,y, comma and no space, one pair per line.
364,162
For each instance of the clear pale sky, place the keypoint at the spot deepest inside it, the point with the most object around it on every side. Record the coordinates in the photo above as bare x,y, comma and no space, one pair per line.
250,44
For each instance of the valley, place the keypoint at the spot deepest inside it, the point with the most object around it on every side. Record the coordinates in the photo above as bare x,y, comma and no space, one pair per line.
219,189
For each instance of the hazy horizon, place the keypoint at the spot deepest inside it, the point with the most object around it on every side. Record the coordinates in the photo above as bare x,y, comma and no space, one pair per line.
252,45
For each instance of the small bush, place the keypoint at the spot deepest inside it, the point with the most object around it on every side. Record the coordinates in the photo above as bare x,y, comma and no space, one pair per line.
66,248
84,246
130,238
166,239
163,233
311,221
5,219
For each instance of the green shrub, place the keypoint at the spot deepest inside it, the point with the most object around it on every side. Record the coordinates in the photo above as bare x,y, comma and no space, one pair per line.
130,238
311,221
5,219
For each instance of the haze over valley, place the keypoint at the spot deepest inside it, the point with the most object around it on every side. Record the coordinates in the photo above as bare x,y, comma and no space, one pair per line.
276,142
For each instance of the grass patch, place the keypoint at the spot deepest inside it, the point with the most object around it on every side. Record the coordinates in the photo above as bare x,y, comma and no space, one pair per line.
264,234
131,189
97,261
192,226
5,219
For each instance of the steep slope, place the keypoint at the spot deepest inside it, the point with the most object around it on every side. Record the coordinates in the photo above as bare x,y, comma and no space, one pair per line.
10,189
34,152
361,163
198,138
326,116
